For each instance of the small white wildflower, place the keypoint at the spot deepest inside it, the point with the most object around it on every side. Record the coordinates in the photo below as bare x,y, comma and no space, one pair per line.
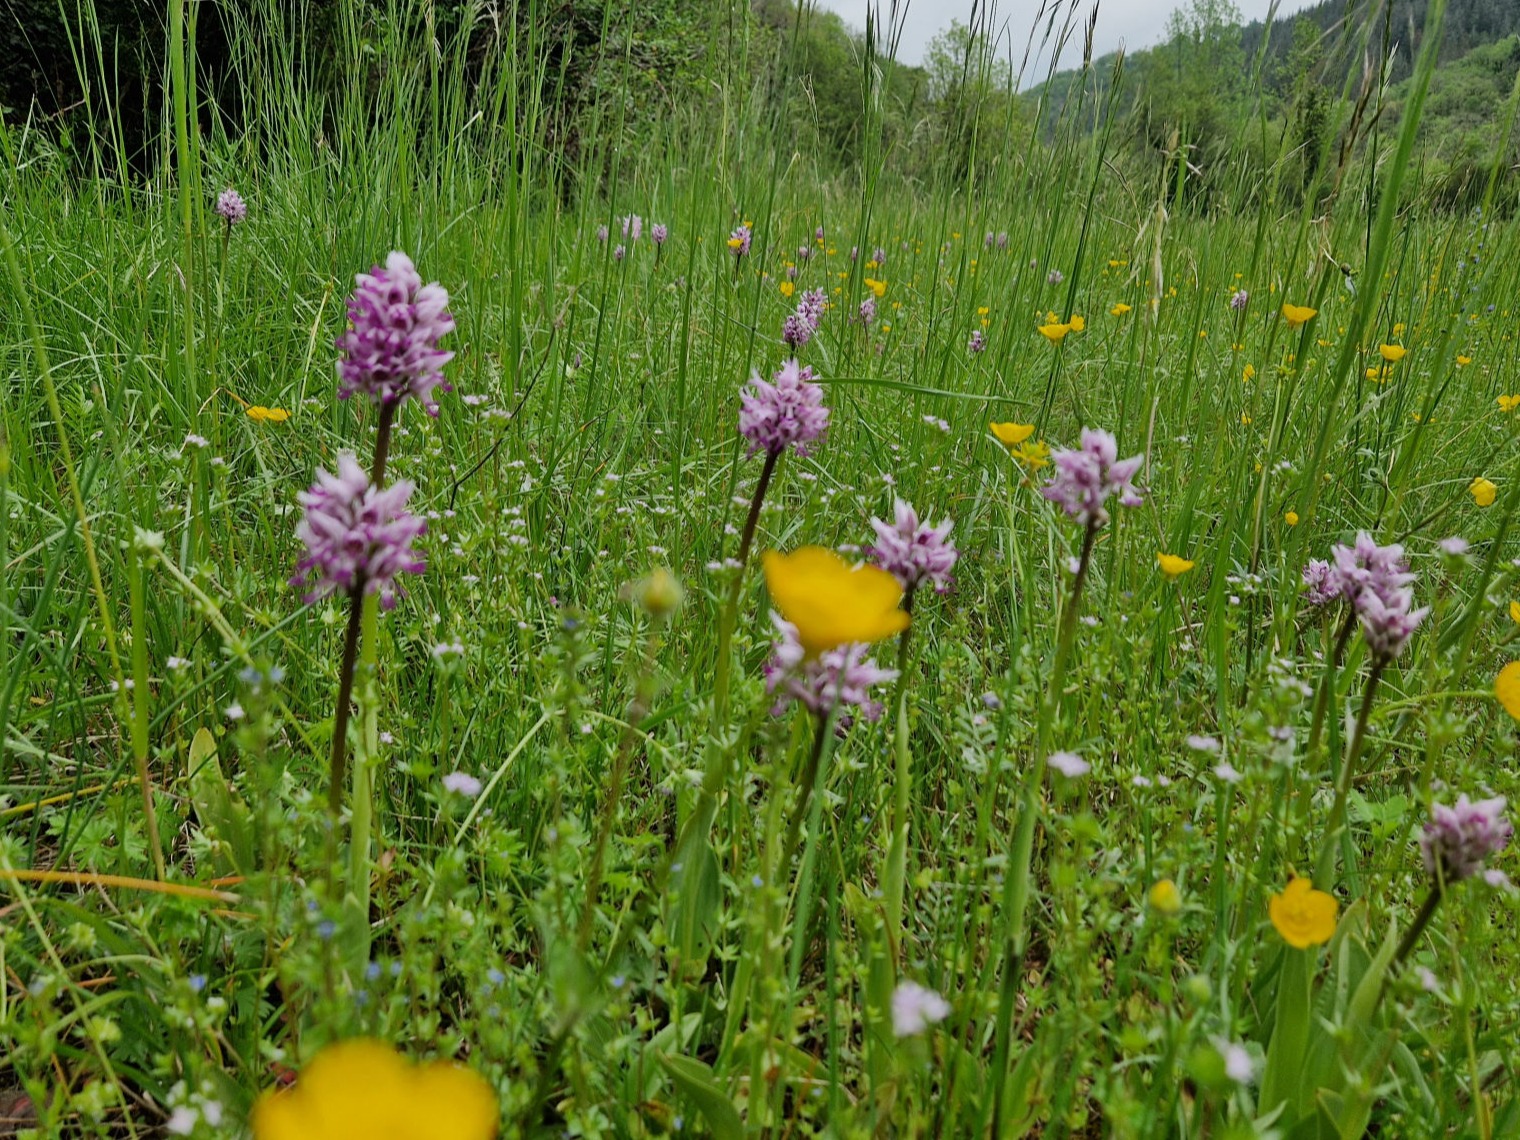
1202,743
182,1121
915,1008
1227,772
1069,764
235,711
462,783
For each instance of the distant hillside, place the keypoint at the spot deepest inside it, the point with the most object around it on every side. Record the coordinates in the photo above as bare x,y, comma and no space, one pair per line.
1215,83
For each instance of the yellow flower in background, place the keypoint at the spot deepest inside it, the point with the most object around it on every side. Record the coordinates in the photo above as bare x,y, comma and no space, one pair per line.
1507,688
1119,309
1248,374
1303,916
787,288
1297,315
831,602
1290,517
1055,333
1463,361
1173,566
1398,329
877,287
1010,435
1077,324
1508,404
1514,612
1482,491
1379,375
364,1089
1164,898
1245,419
262,415
1393,353
1031,455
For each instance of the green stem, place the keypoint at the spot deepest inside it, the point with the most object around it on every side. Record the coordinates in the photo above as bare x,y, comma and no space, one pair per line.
825,729
897,851
729,616
1324,872
364,762
1417,928
338,768
1022,849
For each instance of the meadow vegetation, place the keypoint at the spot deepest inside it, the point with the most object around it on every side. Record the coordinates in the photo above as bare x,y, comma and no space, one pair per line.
558,581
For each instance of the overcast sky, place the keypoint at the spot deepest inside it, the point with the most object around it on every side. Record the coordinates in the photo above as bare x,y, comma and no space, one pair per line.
1135,23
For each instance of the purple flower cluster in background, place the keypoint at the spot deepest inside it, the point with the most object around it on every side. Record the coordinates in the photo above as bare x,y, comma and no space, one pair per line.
356,536
839,678
1239,299
231,207
1460,838
390,350
633,227
914,552
659,232
739,241
786,411
799,327
1376,582
868,311
977,342
1085,478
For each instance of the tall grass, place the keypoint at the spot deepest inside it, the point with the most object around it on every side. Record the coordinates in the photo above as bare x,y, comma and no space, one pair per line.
591,438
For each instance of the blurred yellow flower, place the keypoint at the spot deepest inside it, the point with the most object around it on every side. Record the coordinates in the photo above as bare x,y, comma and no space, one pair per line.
1173,565
1482,491
831,602
787,288
1164,898
1055,333
1290,517
877,287
1248,374
1398,329
1514,612
1245,419
363,1089
1031,455
1297,315
1507,688
1010,435
1463,361
1393,353
1303,916
1119,309
1508,404
1077,324
262,415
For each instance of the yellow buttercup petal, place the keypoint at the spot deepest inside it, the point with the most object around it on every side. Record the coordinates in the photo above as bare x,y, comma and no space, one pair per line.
1393,353
1507,688
1297,315
363,1089
1302,915
1173,566
1483,491
1010,435
831,602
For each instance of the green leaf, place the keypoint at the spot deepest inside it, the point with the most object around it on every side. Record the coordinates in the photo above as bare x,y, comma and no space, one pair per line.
224,818
1281,1080
695,904
698,1084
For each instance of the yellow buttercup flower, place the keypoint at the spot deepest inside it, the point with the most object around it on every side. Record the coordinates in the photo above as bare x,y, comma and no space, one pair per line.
1303,916
1174,566
262,415
735,243
787,288
1119,309
1291,518
1398,329
1463,361
1507,688
1393,353
1248,373
1010,435
1055,333
1031,455
877,287
1514,612
1482,491
363,1089
1508,404
831,602
1297,315
1165,898
1077,324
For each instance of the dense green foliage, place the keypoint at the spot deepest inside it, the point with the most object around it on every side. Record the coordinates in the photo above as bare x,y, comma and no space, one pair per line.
582,846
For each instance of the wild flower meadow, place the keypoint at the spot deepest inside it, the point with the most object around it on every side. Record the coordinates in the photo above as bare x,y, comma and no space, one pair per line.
480,661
